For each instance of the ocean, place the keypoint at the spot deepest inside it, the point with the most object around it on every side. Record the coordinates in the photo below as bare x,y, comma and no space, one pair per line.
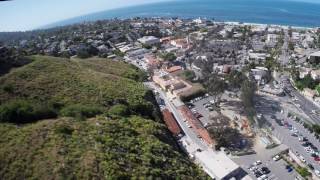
281,12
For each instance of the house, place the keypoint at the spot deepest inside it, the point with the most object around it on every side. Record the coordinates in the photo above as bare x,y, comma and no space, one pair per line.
173,69
314,58
295,36
152,62
257,56
163,79
304,72
165,40
315,74
180,43
260,74
309,93
173,85
272,38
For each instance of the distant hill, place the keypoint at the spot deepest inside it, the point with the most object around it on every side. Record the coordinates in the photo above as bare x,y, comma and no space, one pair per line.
84,119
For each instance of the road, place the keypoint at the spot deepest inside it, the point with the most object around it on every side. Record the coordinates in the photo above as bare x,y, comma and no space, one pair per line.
283,134
284,56
188,131
305,104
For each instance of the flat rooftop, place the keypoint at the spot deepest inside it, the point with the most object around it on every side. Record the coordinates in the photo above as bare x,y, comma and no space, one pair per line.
220,164
315,54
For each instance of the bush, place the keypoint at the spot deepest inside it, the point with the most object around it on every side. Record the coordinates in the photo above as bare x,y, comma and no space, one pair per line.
80,111
190,75
83,53
8,88
21,111
192,96
64,129
306,82
303,171
316,128
119,110
169,56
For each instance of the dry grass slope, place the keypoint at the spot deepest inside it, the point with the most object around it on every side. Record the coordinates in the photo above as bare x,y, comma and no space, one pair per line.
118,147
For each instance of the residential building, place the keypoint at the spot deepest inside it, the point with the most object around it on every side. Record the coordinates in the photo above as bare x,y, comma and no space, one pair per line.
173,69
180,43
304,72
315,74
314,58
260,74
309,93
152,62
272,38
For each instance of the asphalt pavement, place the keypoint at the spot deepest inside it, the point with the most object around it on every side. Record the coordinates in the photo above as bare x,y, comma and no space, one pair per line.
266,107
305,104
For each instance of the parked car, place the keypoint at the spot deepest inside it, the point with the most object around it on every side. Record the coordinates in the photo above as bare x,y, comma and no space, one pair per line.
310,166
258,174
265,170
253,168
257,163
302,158
276,158
317,158
263,177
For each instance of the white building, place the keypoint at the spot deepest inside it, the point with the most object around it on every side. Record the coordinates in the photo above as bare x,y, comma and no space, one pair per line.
257,56
315,74
272,38
295,36
149,40
260,74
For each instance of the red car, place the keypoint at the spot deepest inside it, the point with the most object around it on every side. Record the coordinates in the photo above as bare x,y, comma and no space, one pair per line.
317,158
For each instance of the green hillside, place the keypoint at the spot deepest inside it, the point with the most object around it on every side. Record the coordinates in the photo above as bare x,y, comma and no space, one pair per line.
112,131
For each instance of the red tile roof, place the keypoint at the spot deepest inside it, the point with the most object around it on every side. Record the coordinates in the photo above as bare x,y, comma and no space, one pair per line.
173,69
171,122
196,124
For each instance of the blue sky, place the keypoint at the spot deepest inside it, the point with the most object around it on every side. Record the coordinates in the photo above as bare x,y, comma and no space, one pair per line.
20,15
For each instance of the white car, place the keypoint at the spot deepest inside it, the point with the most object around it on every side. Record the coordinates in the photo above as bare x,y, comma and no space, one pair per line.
263,177
257,163
276,158
301,138
253,168
317,172
302,158
259,116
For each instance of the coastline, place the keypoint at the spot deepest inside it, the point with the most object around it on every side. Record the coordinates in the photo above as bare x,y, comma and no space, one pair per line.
272,25
274,13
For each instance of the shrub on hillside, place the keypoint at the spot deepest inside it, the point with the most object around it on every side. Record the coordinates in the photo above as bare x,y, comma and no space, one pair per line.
80,111
119,110
8,88
21,111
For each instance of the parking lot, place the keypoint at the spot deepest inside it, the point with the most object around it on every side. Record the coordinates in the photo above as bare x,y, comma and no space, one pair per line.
203,106
278,170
